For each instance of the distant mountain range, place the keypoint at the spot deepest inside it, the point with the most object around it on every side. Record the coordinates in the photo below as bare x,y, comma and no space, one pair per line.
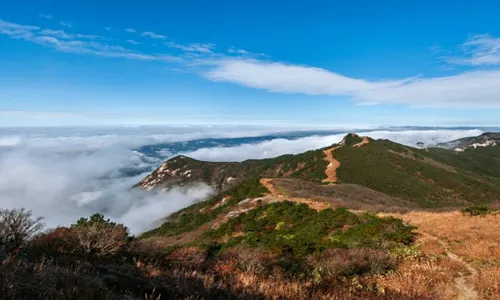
484,140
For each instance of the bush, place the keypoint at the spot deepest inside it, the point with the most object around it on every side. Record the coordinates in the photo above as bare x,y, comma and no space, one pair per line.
17,228
477,210
293,230
99,237
53,243
20,279
189,257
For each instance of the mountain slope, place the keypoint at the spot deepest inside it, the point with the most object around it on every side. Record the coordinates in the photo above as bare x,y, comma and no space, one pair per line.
420,176
182,170
433,177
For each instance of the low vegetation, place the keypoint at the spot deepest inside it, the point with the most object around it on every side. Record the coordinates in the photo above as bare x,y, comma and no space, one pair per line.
478,210
296,231
200,213
302,250
405,173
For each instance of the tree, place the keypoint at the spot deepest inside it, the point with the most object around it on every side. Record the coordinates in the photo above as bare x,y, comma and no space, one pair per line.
17,227
98,236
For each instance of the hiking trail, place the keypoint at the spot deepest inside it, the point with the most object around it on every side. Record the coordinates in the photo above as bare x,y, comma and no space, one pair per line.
463,283
334,164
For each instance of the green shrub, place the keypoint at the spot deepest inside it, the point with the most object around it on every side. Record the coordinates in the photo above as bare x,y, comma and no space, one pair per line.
477,210
295,230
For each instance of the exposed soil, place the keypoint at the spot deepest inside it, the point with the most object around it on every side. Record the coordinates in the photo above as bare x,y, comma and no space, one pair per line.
363,142
333,165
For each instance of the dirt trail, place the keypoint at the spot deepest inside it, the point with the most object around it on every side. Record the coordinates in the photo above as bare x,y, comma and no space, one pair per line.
463,283
333,165
278,195
363,142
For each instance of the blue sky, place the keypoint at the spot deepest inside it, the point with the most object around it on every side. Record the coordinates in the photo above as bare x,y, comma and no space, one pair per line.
290,63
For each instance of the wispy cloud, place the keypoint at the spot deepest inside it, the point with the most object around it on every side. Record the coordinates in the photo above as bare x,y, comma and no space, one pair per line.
45,16
65,24
76,43
108,28
469,89
153,35
132,42
63,35
482,49
130,30
238,51
201,48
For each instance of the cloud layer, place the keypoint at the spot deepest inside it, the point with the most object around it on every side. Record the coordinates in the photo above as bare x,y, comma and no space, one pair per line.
278,147
67,173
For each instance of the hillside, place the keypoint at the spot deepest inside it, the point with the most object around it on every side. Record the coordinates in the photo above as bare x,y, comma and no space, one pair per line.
298,214
424,178
358,173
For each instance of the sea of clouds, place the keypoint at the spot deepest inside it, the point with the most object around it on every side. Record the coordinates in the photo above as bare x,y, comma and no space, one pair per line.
67,173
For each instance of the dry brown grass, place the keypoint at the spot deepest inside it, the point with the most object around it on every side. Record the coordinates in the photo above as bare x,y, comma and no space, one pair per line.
476,239
417,278
473,239
487,283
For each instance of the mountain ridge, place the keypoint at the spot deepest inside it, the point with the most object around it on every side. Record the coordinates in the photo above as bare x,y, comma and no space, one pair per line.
433,177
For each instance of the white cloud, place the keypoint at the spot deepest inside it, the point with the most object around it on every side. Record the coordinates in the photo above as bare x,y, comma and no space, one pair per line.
108,28
482,49
64,35
469,89
65,24
201,48
132,42
237,51
153,35
130,30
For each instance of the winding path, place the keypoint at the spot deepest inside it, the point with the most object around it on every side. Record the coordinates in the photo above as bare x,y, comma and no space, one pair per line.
463,283
280,196
333,165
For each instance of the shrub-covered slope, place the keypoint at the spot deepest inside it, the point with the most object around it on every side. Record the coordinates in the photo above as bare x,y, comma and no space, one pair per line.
430,178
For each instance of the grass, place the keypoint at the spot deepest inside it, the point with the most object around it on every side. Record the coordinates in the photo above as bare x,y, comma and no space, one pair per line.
475,239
